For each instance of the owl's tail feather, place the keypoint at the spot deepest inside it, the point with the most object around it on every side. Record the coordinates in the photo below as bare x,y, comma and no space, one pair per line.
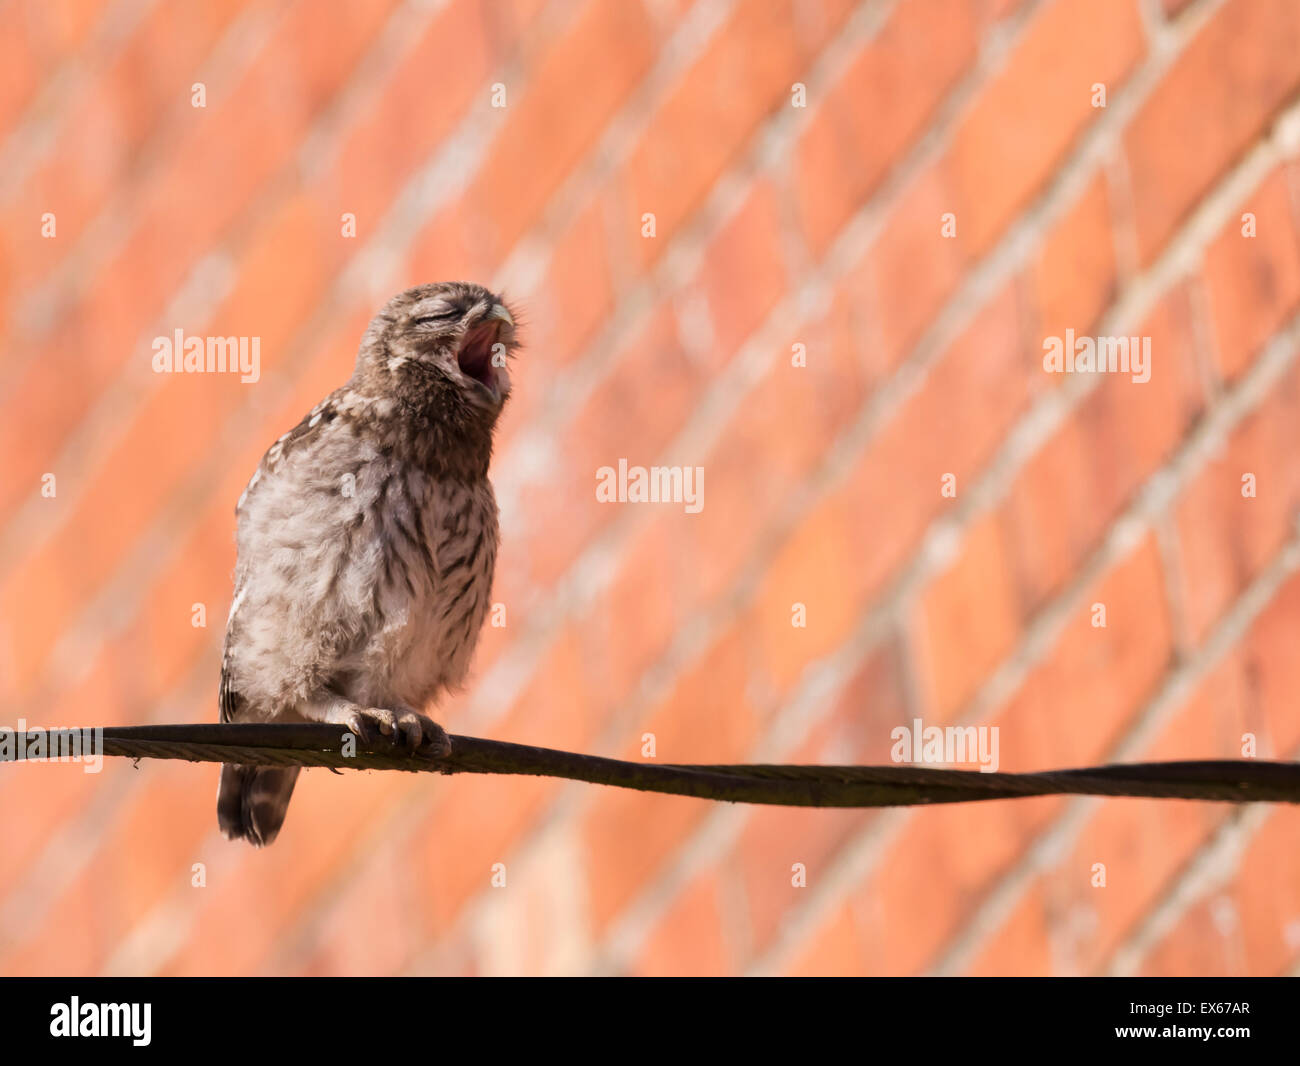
253,800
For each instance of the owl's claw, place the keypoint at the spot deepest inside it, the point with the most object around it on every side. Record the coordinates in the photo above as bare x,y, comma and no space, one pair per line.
404,728
356,723
431,738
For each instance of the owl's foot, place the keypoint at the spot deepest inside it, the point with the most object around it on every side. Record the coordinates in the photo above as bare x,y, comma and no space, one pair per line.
405,727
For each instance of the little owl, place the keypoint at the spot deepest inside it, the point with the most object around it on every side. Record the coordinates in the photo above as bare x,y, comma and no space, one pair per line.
367,538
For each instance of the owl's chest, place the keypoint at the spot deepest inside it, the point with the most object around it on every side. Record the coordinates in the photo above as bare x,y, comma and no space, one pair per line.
438,553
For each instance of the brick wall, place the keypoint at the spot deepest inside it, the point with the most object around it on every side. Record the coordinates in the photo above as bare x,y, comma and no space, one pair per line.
1172,212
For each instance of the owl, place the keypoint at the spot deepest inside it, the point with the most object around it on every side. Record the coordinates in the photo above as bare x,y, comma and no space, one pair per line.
367,539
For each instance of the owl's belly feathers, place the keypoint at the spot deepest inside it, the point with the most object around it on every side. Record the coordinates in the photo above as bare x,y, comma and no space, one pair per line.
435,552
376,590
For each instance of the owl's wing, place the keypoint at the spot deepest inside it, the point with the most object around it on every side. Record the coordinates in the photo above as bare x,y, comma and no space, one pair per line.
313,422
229,701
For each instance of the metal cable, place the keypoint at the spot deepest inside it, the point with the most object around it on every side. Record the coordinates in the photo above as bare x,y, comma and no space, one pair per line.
1229,781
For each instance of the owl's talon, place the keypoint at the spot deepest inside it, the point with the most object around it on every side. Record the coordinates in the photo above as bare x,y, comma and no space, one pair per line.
436,741
433,740
409,731
356,725
402,728
425,735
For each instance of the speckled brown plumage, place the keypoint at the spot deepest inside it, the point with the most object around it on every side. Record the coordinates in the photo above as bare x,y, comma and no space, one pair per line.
367,540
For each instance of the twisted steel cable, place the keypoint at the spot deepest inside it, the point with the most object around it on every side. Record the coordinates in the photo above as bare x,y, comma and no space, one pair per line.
1223,780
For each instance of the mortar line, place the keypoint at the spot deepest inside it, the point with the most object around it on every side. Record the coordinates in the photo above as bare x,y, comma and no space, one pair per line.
32,132
366,268
1050,204
1000,473
1147,504
1209,868
85,445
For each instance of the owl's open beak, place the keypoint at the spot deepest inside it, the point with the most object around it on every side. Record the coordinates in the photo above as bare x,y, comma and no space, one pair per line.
480,345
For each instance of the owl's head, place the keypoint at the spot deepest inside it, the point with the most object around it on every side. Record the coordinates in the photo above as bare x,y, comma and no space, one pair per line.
446,345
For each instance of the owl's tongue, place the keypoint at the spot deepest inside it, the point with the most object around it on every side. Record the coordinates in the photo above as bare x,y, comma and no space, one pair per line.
475,355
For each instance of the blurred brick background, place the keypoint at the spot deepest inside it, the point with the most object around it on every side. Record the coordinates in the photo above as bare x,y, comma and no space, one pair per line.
777,225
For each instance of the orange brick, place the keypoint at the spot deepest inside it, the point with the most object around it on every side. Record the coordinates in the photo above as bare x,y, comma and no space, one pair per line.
1194,947
1051,530
1227,537
470,829
1117,438
554,119
1023,123
1265,894
1023,946
689,941
567,702
189,201
932,875
102,133
743,275
777,436
1134,426
866,121
648,600
831,951
912,268
80,930
365,940
621,859
1142,846
1223,89
1247,927
170,436
1253,283
1074,272
448,246
807,604
400,130
965,622
1273,674
632,414
815,490
857,731
745,72
1076,702
41,38
575,296
706,718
